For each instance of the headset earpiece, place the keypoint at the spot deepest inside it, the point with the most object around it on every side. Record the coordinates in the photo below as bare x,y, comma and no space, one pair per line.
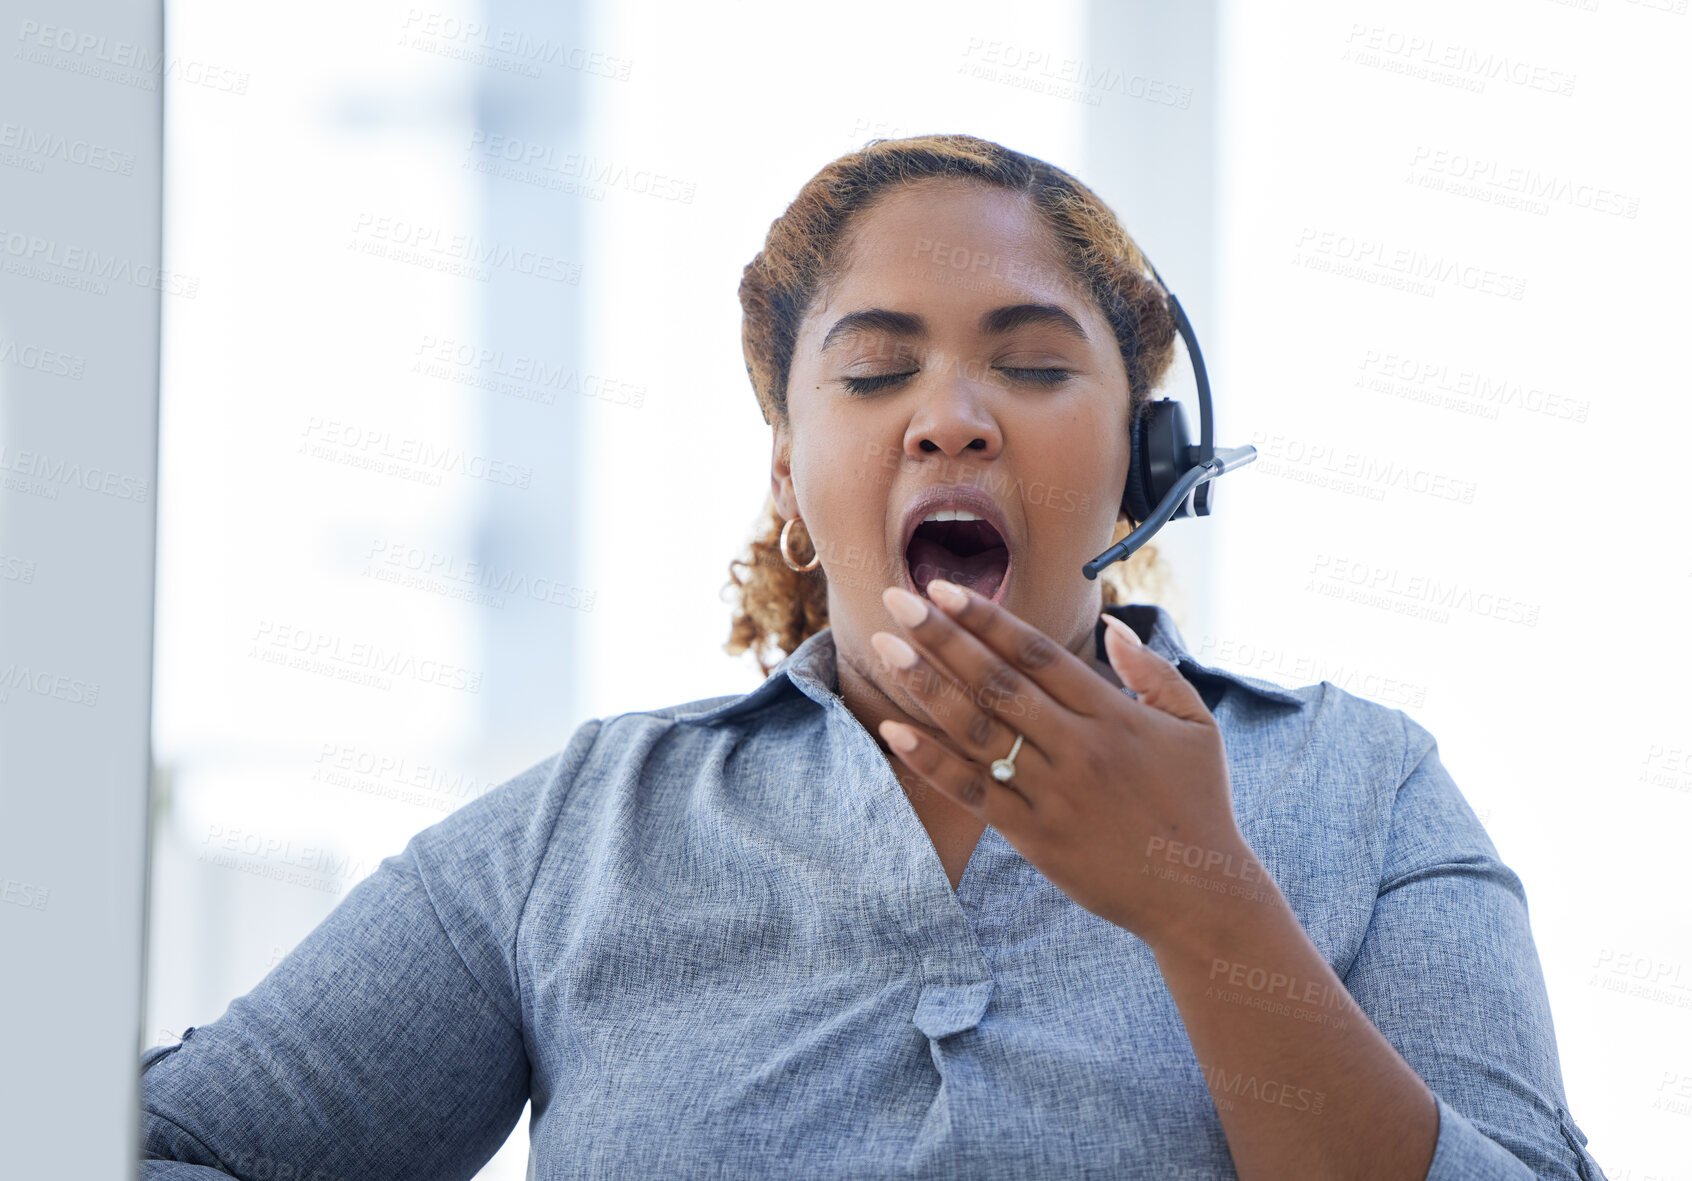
1134,499
1159,448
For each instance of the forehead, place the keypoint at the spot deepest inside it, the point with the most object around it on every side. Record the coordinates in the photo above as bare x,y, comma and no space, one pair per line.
945,244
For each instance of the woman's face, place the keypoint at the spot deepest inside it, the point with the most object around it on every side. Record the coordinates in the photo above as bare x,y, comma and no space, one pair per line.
955,358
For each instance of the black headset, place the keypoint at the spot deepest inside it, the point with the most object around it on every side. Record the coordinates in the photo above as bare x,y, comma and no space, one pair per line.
1168,474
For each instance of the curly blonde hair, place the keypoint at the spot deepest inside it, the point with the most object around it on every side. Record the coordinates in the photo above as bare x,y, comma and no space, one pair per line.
777,608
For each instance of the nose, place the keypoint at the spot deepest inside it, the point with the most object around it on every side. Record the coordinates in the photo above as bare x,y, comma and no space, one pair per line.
952,416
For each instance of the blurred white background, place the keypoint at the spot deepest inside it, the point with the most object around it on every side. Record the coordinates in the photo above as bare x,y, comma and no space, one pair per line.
457,441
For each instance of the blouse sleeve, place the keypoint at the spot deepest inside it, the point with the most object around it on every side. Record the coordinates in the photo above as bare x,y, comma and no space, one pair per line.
390,1042
1449,973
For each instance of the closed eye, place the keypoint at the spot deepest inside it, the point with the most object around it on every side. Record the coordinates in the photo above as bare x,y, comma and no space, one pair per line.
1039,376
870,385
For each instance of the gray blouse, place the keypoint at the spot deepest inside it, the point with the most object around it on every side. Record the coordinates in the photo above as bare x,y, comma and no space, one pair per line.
714,940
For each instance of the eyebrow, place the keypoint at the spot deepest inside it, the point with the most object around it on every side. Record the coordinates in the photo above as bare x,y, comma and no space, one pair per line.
993,323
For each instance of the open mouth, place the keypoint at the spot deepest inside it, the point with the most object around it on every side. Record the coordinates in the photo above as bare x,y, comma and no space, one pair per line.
969,553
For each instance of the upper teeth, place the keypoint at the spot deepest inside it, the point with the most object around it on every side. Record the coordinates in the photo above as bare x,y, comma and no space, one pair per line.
952,514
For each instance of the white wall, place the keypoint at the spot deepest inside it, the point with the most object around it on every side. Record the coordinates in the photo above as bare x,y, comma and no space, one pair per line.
1468,502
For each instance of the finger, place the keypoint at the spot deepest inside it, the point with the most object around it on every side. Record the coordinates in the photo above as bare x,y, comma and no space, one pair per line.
1000,804
1063,677
1000,687
1158,683
978,733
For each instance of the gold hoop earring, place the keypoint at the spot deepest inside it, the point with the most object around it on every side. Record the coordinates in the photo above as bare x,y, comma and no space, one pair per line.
816,558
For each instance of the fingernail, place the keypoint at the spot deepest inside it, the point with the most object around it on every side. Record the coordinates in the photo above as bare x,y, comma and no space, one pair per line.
904,606
898,737
1120,628
947,594
894,650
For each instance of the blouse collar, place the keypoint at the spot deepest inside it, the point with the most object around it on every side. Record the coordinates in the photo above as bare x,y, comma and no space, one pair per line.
810,669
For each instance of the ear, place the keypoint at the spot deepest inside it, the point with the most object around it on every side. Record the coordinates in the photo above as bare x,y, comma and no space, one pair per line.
781,472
